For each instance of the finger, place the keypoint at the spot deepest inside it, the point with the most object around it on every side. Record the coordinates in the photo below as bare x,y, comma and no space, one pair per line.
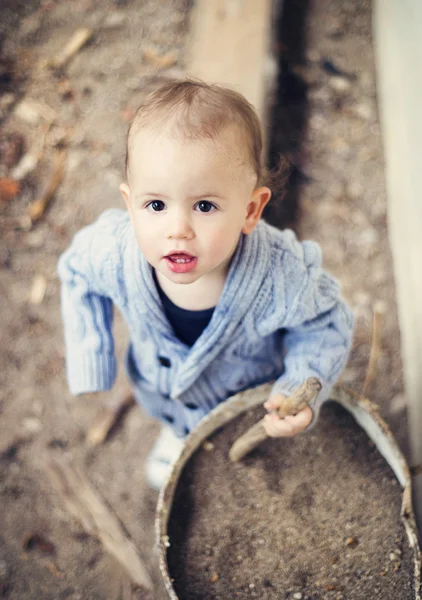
276,427
271,404
302,419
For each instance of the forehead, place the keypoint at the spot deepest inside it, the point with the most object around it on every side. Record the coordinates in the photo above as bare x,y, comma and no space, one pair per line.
151,151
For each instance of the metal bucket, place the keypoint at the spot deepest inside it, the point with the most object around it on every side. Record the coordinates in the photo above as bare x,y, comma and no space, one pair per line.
365,413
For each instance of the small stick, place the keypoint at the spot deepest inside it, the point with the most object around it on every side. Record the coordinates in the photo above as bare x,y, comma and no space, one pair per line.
379,311
38,207
86,505
291,406
99,432
76,42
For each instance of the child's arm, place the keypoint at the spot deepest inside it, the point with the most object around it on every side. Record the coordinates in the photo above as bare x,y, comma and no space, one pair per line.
318,334
87,312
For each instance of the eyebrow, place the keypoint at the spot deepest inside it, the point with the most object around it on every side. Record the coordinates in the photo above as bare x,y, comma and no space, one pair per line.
155,194
196,197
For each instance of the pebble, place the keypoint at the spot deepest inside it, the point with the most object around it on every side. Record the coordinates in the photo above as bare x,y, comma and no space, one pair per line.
335,26
38,289
114,20
297,596
28,111
32,425
317,122
74,159
398,404
340,84
364,110
321,95
36,238
25,166
369,237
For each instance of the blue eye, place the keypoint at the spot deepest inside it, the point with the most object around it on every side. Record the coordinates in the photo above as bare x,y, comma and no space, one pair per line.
205,206
156,205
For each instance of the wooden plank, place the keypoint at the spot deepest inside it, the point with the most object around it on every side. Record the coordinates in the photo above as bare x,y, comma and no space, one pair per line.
230,45
85,504
398,48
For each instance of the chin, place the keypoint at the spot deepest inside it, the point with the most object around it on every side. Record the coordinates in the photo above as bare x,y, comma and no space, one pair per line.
182,278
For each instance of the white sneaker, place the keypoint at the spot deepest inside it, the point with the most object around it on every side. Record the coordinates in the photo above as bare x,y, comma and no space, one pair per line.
163,455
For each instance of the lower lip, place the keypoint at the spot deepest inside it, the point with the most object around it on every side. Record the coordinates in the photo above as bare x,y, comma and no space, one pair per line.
184,267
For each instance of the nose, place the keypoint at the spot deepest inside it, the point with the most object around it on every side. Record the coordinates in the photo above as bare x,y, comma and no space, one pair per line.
180,227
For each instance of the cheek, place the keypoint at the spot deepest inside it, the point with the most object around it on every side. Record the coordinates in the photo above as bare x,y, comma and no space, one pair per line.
222,237
145,233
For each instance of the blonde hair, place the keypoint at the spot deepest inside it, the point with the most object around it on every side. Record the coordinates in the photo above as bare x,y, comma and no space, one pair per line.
201,110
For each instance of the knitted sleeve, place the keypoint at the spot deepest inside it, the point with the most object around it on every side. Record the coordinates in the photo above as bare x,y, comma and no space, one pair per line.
86,271
318,324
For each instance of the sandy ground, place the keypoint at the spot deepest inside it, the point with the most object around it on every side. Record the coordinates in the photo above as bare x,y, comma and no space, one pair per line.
85,110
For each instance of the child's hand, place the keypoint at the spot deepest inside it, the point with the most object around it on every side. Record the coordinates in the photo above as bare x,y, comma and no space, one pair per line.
290,425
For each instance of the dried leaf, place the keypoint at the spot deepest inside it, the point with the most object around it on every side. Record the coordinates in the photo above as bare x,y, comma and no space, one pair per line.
160,61
52,567
36,541
332,588
9,189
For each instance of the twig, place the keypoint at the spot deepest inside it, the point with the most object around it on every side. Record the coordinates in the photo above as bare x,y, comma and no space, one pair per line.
379,310
37,208
97,519
76,42
291,406
99,432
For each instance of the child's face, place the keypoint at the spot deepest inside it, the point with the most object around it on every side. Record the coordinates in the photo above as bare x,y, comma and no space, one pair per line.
189,201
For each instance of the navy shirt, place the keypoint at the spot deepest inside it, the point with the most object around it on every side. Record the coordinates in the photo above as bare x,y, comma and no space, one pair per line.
187,324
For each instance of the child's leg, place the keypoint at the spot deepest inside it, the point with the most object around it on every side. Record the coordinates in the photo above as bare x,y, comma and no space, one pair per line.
163,455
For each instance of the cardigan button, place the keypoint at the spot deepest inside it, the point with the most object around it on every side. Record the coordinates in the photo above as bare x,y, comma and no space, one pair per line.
192,406
164,361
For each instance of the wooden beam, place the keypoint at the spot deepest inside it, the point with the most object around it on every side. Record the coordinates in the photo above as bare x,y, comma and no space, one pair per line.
230,45
398,48
87,506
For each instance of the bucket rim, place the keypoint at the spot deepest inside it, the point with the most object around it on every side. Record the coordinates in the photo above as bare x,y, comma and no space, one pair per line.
367,415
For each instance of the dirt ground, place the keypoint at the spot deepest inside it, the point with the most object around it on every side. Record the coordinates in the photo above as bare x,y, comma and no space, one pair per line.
84,109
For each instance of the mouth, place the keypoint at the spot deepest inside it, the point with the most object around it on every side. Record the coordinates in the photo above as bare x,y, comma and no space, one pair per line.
180,262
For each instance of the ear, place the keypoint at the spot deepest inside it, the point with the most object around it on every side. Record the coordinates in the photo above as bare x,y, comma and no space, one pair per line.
125,191
260,197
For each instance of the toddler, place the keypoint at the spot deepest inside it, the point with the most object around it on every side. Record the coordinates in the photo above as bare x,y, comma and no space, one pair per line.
216,300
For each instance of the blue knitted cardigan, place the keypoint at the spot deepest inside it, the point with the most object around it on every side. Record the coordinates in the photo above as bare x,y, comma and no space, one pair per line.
280,317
